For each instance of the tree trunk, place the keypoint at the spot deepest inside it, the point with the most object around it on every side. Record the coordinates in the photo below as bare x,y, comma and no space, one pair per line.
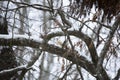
7,58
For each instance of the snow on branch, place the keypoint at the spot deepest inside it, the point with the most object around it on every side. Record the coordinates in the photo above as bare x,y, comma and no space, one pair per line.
13,70
22,40
19,40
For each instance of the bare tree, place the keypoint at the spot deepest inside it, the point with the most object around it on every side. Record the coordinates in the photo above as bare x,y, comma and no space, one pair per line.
83,34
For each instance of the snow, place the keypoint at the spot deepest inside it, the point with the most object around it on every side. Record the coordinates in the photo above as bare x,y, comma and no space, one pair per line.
17,36
36,30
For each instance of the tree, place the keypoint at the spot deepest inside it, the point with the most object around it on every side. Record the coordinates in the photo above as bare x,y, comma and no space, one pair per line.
7,58
84,34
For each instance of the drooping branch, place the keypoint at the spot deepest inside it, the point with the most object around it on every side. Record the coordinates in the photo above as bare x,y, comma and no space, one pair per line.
89,44
78,34
31,43
80,60
82,36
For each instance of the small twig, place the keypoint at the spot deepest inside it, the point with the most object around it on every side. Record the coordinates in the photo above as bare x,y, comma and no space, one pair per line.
66,72
79,70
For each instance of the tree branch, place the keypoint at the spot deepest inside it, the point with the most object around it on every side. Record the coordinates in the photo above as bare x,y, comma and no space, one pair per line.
82,36
7,40
13,70
80,60
108,42
106,47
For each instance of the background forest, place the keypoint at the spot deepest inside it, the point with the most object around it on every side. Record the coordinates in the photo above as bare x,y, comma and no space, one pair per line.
59,39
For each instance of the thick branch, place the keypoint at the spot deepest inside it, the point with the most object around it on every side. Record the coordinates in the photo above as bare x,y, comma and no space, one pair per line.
71,56
19,42
80,60
89,44
82,36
